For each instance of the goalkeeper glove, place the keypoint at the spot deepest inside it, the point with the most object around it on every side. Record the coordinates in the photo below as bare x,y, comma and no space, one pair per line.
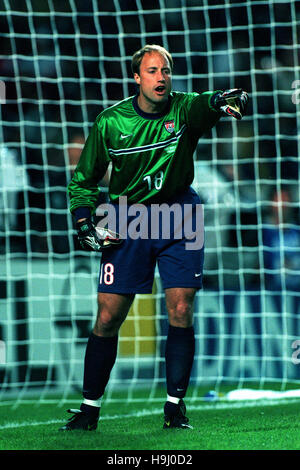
232,102
92,238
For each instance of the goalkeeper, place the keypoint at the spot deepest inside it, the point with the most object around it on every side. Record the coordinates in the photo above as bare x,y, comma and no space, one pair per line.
150,140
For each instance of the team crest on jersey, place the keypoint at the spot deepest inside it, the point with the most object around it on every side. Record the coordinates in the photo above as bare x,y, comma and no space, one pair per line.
170,126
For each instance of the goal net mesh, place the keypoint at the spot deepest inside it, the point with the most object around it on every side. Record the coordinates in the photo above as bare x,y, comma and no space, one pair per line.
61,64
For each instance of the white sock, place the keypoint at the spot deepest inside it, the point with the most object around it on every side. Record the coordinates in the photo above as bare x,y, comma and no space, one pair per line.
96,403
173,399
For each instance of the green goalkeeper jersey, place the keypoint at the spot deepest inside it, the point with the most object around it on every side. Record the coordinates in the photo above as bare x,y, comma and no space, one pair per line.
151,154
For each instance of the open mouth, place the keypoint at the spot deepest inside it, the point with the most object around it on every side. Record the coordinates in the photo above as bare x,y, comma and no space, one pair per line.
160,89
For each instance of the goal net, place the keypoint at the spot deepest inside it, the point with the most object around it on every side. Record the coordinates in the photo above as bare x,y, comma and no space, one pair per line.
61,64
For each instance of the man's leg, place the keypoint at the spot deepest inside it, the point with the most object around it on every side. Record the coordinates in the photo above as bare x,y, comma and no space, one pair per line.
100,356
180,347
102,345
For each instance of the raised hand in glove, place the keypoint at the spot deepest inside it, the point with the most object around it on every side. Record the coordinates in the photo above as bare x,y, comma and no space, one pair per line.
92,238
232,102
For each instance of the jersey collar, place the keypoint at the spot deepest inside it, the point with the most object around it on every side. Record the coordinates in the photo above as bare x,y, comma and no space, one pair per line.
150,115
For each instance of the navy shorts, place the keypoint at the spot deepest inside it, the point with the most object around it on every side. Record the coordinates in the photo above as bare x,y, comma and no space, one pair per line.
171,235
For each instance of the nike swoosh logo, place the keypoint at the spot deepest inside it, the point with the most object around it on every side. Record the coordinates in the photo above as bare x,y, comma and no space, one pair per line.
125,136
197,274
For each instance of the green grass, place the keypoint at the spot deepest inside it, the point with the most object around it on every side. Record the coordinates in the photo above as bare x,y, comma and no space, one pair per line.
29,427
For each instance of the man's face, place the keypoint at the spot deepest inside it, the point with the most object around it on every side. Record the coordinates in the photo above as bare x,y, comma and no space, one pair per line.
155,82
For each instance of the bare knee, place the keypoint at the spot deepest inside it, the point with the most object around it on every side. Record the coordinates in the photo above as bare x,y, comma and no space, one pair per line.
180,306
181,314
106,324
112,311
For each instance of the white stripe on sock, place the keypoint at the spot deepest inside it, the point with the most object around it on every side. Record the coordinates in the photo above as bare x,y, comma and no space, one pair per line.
173,399
96,403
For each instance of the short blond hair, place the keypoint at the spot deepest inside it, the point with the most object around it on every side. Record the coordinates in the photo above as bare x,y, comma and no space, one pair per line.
138,56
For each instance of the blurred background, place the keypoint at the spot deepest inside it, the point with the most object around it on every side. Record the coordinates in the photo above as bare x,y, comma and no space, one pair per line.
62,63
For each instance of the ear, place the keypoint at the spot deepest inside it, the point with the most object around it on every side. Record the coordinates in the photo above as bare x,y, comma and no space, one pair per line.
137,78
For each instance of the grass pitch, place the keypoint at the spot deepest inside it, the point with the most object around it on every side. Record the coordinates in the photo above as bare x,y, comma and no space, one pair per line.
138,426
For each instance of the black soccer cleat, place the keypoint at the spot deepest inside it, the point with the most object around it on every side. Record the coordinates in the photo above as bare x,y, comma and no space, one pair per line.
178,419
80,421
